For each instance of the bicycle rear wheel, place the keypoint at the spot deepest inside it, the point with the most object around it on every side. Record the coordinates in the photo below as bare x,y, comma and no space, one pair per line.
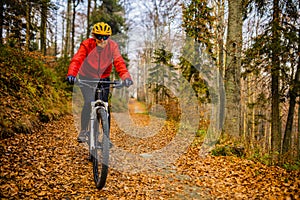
100,155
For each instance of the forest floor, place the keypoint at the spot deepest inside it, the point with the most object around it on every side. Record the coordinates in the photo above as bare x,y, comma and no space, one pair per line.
51,164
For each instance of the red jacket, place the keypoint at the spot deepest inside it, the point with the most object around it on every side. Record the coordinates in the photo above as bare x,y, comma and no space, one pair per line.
91,62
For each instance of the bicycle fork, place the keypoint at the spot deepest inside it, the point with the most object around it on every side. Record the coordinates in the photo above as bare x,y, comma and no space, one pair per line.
93,119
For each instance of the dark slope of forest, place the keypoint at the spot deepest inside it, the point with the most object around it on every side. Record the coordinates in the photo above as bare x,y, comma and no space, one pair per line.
31,91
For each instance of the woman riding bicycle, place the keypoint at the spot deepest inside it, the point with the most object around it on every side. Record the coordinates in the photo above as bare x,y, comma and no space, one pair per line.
94,60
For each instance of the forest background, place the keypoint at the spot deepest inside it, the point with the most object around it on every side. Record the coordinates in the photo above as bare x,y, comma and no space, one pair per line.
242,56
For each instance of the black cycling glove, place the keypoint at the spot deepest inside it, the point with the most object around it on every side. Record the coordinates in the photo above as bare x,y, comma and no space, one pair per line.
128,82
71,80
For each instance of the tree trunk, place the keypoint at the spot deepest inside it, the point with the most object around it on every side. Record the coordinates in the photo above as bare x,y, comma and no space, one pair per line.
68,30
1,21
56,34
63,38
286,147
28,25
88,19
232,69
298,133
275,113
43,28
298,93
220,42
73,27
293,92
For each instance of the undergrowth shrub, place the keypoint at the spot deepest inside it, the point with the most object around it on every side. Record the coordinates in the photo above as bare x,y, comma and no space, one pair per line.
31,91
228,150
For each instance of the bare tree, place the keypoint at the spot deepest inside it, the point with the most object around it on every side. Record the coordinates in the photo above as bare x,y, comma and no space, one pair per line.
75,4
68,30
88,18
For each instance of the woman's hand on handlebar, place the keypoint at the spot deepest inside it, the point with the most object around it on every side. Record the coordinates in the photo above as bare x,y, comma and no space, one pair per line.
71,80
127,82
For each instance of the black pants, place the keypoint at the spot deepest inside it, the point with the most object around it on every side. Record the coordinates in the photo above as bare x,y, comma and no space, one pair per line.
89,96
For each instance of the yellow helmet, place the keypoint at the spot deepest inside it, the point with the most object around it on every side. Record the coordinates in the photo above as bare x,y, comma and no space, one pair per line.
102,28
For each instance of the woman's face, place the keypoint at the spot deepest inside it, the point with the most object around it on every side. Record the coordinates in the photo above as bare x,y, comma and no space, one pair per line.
100,42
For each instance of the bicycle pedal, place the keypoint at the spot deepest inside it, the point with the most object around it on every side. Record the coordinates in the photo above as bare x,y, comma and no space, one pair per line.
99,145
81,140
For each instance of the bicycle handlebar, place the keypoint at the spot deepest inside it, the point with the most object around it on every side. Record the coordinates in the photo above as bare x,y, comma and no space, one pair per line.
117,83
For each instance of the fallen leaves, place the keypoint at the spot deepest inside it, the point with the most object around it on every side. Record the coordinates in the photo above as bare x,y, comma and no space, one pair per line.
51,165
236,178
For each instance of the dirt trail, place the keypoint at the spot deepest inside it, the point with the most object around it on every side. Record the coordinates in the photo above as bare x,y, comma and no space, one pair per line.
50,164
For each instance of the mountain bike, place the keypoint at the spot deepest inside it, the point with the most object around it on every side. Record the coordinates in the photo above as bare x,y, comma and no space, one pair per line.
99,130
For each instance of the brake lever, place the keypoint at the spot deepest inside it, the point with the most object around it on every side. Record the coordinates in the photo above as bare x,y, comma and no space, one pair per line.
118,84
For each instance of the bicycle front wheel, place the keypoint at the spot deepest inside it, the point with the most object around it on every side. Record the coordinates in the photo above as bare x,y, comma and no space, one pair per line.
100,154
